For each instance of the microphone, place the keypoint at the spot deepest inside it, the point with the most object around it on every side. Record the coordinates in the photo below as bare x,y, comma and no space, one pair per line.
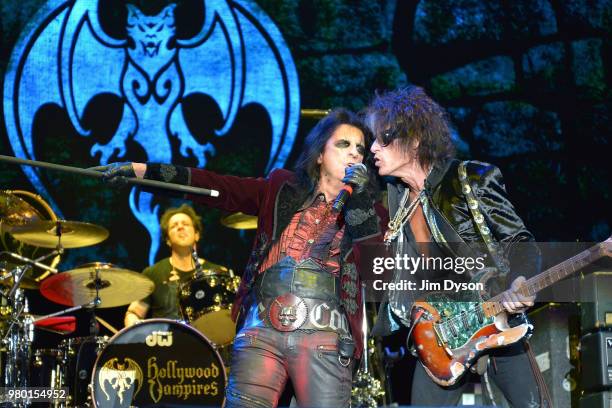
345,193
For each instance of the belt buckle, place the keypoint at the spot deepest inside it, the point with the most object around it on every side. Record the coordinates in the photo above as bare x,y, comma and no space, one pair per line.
287,312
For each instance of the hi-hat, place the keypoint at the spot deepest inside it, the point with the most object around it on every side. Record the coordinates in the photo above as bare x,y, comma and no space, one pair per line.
74,234
15,211
116,286
240,221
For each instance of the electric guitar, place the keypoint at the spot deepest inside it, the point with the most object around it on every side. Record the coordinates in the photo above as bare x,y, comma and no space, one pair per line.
450,336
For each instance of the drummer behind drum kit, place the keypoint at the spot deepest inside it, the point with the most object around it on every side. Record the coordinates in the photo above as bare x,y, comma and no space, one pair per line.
156,362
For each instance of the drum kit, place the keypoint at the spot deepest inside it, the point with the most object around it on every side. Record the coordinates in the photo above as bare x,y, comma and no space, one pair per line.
155,362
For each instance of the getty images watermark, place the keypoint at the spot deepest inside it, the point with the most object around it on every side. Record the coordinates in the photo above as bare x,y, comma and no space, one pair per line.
561,271
410,265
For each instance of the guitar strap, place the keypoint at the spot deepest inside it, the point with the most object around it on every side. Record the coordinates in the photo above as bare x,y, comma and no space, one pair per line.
501,263
493,247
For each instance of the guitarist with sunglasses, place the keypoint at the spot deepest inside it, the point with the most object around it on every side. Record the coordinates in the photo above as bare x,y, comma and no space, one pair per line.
441,207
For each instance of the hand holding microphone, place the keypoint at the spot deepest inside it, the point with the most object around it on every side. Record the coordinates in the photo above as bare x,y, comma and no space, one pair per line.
356,180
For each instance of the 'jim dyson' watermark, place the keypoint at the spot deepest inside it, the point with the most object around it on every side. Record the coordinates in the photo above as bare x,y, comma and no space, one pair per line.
411,265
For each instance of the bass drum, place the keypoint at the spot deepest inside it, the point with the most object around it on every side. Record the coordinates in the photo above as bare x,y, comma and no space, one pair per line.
158,363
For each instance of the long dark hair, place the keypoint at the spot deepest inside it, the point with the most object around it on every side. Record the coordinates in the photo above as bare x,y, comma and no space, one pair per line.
307,168
409,115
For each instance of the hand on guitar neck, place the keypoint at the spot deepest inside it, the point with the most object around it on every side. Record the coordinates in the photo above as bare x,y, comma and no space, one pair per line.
514,301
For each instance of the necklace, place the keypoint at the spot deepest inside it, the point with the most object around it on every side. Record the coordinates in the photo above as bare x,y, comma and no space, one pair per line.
403,215
175,274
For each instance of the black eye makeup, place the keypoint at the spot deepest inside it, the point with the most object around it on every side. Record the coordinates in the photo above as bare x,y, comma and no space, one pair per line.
343,144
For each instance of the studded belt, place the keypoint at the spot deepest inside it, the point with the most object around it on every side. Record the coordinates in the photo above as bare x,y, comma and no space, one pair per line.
289,312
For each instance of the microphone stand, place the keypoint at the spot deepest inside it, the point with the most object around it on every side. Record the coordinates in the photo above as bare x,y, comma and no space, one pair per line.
93,173
197,273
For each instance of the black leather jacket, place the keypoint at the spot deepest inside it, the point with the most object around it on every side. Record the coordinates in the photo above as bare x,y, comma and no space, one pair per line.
452,226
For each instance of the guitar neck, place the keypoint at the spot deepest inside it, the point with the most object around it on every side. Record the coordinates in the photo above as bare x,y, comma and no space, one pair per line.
550,276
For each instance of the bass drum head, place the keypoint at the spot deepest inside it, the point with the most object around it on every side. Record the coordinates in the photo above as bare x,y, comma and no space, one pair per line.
158,363
217,326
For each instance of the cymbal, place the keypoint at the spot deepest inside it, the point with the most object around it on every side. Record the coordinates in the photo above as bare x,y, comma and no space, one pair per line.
6,279
16,211
240,221
75,234
117,286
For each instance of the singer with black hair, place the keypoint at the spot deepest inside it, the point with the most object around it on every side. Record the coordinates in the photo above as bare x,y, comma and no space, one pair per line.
181,229
298,306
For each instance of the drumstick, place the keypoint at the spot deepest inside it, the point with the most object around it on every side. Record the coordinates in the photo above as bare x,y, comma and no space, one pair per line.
107,325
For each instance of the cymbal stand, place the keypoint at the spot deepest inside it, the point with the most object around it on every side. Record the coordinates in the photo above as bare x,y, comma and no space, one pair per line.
18,341
36,262
69,310
93,324
18,272
59,250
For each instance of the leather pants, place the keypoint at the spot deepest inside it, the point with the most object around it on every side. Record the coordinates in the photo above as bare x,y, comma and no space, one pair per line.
263,359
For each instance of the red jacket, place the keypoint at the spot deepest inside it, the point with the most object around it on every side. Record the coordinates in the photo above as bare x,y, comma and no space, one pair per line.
274,200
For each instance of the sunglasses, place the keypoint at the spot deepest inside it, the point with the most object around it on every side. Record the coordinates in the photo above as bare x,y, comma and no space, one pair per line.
386,137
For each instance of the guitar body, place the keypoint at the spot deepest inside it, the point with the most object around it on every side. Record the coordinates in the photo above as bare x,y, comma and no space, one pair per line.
450,333
449,340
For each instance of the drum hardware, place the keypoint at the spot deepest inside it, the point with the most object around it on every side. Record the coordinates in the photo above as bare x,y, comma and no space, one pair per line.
18,332
46,369
20,365
80,354
36,262
17,274
15,277
6,278
16,344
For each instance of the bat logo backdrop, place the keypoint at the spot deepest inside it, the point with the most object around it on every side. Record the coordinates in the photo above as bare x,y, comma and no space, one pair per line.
153,68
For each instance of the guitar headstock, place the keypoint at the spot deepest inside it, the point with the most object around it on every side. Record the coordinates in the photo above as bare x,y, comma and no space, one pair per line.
605,248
